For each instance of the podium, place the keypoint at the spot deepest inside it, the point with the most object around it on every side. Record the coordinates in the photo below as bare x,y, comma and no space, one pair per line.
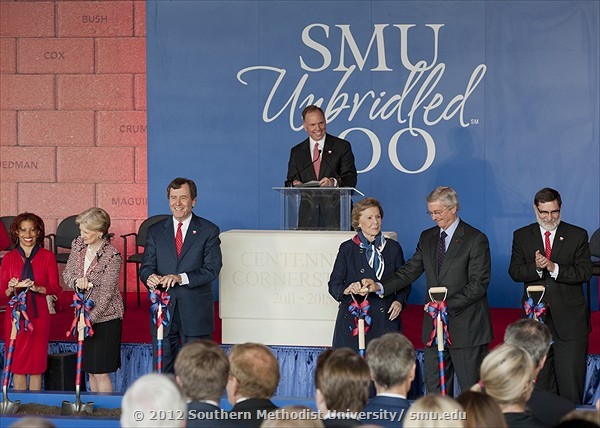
316,208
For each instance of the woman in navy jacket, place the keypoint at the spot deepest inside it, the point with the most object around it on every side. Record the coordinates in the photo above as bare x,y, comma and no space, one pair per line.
367,255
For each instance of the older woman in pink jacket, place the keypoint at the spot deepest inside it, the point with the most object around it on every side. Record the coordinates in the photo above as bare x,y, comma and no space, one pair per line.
93,267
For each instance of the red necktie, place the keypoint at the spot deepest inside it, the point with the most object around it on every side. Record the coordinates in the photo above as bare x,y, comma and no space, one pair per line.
179,239
317,160
548,247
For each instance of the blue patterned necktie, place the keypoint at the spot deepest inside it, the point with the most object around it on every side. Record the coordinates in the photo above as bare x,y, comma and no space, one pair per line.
441,250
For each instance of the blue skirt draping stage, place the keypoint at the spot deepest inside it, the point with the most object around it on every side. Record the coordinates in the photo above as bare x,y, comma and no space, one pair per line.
297,366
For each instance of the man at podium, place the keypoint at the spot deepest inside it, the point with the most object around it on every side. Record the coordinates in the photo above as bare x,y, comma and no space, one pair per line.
321,160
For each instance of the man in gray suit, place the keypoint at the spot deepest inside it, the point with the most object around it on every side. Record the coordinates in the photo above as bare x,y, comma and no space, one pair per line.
454,255
183,256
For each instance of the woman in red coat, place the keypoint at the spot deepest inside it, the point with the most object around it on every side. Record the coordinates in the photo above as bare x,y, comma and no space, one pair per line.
33,268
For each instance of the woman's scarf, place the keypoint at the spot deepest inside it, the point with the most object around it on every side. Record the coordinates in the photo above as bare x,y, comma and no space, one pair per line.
27,273
373,251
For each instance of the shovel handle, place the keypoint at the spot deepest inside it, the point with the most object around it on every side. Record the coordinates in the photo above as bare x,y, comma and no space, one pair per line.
440,333
361,334
535,288
81,328
160,329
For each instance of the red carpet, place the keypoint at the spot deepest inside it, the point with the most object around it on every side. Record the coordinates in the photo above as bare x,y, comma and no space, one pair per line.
136,327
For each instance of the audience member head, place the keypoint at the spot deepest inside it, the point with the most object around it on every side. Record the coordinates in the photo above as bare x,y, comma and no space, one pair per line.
202,370
35,223
427,411
33,422
95,219
580,419
254,372
342,381
391,360
482,410
149,394
292,417
506,375
532,336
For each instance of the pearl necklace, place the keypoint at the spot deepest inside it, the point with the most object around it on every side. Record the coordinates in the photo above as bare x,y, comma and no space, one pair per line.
91,252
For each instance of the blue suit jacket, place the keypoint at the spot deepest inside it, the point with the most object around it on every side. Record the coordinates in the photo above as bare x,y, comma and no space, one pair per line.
391,404
200,259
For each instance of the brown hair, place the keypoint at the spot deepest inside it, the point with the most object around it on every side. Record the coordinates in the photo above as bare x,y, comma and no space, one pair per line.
344,380
363,205
38,223
180,181
202,370
256,369
482,410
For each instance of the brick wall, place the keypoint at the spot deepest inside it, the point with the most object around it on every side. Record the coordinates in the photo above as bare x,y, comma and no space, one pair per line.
73,110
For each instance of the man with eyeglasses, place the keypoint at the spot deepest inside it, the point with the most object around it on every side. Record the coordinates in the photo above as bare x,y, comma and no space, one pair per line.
557,255
454,255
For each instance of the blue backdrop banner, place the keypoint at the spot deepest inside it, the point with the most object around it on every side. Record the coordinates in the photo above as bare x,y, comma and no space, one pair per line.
496,99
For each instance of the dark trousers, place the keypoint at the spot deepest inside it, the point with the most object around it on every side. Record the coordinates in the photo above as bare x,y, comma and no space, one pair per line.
172,342
465,362
564,371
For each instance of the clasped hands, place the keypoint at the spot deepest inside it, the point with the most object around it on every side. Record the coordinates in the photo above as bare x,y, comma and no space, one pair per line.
166,281
15,283
83,284
541,262
366,286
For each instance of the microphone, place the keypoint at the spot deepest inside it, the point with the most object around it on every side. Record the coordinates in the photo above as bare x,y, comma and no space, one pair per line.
289,183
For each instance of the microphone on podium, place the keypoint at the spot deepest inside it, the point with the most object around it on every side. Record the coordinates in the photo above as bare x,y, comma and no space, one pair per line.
290,183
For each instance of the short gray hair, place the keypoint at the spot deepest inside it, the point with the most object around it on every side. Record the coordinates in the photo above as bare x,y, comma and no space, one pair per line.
447,196
153,392
531,335
390,358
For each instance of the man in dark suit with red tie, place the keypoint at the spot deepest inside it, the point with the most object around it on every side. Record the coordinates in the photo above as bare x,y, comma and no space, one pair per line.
183,256
454,255
557,255
325,159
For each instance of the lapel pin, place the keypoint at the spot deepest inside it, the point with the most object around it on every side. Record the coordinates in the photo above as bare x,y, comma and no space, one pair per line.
193,232
561,238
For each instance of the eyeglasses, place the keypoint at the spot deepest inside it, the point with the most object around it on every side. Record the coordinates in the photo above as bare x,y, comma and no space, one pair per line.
547,213
437,213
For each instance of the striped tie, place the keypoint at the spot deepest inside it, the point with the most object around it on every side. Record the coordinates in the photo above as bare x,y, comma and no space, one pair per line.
441,250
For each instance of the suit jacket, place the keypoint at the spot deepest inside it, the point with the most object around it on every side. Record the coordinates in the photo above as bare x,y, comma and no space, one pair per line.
337,161
200,259
351,265
564,295
382,403
465,272
201,414
254,406
547,407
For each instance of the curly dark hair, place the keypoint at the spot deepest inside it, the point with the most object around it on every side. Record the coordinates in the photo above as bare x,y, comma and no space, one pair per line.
38,224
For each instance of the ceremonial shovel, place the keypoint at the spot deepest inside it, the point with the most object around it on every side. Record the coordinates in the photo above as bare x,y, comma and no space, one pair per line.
68,408
7,407
439,326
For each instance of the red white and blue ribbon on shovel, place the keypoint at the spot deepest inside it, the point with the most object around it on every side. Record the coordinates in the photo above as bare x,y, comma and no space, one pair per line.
440,336
81,304
362,322
18,306
159,301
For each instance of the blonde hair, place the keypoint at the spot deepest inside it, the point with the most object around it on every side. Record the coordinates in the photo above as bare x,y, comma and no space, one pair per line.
506,375
95,219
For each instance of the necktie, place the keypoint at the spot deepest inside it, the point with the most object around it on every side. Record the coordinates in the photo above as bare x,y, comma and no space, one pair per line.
317,160
179,239
548,247
441,250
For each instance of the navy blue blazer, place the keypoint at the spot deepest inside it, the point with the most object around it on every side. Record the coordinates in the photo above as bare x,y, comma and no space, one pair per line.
351,265
395,406
200,259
